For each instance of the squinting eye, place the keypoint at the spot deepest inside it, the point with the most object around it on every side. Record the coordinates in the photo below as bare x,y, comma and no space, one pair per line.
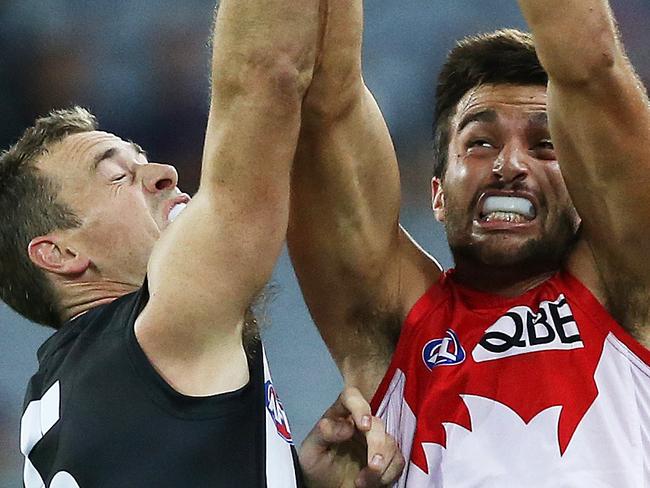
480,143
544,150
117,178
546,144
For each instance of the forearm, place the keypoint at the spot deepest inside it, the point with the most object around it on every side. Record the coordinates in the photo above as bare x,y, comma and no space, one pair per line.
576,40
263,59
274,39
337,83
345,147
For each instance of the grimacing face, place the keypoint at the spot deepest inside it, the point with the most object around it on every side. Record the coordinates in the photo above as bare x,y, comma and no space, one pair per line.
123,201
502,199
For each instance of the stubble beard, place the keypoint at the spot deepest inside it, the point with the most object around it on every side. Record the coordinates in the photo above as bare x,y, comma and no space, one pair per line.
546,251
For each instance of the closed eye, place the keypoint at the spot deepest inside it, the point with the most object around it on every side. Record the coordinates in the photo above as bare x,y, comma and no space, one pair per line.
119,178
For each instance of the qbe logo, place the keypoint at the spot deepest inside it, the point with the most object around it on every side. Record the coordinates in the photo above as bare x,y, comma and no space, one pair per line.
276,411
522,331
443,352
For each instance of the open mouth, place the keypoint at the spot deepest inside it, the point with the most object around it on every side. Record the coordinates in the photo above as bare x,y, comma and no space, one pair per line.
507,209
176,206
176,211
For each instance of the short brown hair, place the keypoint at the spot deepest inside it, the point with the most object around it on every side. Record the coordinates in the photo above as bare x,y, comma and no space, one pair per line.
506,56
29,208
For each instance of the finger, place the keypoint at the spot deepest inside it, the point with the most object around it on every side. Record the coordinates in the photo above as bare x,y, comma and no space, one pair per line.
374,476
381,446
318,442
394,469
385,460
380,452
352,402
331,431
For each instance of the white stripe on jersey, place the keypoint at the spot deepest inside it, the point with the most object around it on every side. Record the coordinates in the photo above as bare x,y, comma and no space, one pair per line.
280,471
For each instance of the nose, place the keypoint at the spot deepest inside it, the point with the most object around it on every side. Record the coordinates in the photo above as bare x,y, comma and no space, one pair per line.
158,177
511,164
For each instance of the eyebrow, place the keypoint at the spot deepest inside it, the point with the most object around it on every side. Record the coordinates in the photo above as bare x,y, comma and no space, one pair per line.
109,153
138,149
487,115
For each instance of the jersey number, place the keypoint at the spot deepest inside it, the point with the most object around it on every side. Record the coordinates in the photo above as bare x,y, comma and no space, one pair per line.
39,417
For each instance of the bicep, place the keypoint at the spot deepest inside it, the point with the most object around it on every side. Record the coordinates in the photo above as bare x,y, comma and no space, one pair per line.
355,265
210,263
216,256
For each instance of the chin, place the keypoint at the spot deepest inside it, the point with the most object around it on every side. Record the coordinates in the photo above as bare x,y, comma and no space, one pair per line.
544,246
505,257
509,251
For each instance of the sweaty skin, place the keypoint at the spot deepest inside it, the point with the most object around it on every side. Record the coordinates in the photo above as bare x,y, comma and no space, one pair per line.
345,188
501,147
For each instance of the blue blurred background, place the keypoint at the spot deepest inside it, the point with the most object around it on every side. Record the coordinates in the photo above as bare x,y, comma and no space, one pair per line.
142,67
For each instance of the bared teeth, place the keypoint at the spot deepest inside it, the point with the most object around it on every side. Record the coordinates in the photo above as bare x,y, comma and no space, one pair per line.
504,217
508,205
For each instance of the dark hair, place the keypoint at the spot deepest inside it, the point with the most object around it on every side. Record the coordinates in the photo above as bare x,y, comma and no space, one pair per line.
502,57
29,208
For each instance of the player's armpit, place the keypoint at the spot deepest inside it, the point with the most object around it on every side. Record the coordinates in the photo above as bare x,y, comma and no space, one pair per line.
358,271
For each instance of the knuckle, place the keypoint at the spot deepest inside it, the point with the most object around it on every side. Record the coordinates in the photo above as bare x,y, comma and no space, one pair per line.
350,393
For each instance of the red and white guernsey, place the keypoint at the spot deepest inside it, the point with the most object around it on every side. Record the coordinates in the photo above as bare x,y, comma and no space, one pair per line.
541,390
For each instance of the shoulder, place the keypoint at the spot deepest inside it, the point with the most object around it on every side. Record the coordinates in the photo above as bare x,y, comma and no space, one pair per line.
66,350
95,321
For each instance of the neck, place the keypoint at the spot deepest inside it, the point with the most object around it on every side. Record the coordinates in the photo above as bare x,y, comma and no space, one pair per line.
78,298
507,281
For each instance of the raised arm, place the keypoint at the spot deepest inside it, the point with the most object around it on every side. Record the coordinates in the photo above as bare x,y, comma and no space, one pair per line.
600,123
212,261
358,271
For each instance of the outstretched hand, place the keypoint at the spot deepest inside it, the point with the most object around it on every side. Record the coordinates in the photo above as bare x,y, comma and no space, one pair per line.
349,447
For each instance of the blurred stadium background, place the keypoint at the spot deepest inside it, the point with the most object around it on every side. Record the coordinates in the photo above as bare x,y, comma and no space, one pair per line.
142,67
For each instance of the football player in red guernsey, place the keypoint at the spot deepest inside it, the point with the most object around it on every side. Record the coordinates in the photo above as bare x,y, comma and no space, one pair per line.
527,364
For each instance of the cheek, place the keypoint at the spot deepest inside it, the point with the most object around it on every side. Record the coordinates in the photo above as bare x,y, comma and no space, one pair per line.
462,182
124,227
556,184
136,214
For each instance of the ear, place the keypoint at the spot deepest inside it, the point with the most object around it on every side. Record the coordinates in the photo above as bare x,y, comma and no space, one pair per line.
437,199
50,254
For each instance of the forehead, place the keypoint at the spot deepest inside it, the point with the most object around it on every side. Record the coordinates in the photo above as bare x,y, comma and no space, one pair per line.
494,101
71,162
77,154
